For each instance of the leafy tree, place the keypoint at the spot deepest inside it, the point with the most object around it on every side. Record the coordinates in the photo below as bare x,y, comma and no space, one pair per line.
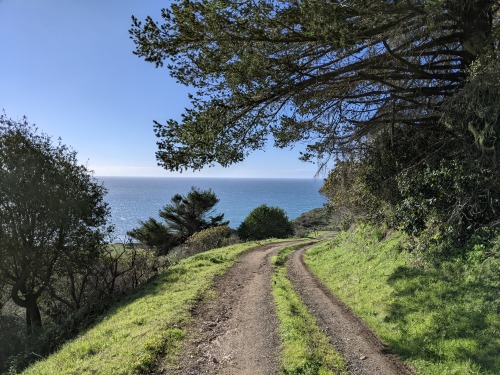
51,213
184,217
329,73
439,199
346,189
155,234
265,222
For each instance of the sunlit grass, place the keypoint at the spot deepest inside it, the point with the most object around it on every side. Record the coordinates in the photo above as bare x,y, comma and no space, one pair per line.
441,320
148,323
305,348
320,233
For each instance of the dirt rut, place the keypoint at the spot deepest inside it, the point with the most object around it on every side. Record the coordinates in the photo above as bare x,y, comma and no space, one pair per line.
364,352
235,333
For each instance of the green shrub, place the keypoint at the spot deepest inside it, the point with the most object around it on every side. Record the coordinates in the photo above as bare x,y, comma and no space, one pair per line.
453,199
265,222
185,216
208,239
13,339
317,219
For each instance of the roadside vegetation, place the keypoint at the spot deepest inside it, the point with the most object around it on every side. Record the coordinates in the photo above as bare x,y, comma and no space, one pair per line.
314,221
185,216
265,222
305,348
144,325
441,318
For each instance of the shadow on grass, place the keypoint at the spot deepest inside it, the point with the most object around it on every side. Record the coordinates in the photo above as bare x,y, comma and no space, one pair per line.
448,314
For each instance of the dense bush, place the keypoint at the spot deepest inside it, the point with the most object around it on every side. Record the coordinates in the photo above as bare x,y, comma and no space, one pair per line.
13,338
452,200
156,235
265,222
313,220
346,190
208,239
441,196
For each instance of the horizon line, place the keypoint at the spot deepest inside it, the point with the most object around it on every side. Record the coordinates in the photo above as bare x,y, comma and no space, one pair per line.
217,177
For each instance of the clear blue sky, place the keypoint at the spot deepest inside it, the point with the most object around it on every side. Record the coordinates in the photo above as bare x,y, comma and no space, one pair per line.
68,66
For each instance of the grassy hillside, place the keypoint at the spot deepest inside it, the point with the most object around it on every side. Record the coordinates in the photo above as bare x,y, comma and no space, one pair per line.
442,319
148,323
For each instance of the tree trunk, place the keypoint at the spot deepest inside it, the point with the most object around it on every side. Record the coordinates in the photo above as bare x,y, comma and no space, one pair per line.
33,316
477,21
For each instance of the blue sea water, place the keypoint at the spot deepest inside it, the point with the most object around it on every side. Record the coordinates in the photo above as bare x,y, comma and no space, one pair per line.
134,199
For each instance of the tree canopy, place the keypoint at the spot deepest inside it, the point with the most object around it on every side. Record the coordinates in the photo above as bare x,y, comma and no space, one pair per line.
327,73
52,213
184,217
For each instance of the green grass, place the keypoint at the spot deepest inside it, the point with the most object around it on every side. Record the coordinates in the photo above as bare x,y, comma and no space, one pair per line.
441,320
305,348
319,233
147,324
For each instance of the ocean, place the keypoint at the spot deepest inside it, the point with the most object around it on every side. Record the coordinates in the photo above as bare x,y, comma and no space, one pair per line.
135,199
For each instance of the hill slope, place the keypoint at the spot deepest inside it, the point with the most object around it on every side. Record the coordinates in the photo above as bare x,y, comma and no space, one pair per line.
441,319
148,323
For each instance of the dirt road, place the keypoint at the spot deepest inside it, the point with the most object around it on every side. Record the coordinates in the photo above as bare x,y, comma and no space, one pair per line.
236,332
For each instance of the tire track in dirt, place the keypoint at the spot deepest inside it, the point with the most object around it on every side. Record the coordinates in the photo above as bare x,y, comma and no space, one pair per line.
364,352
236,332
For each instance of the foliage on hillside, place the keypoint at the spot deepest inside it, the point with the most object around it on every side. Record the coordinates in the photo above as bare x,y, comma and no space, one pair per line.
265,222
52,217
185,216
119,270
327,218
317,219
443,319
208,239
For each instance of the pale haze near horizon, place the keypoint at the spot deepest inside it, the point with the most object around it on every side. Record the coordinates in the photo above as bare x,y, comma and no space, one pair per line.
68,66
